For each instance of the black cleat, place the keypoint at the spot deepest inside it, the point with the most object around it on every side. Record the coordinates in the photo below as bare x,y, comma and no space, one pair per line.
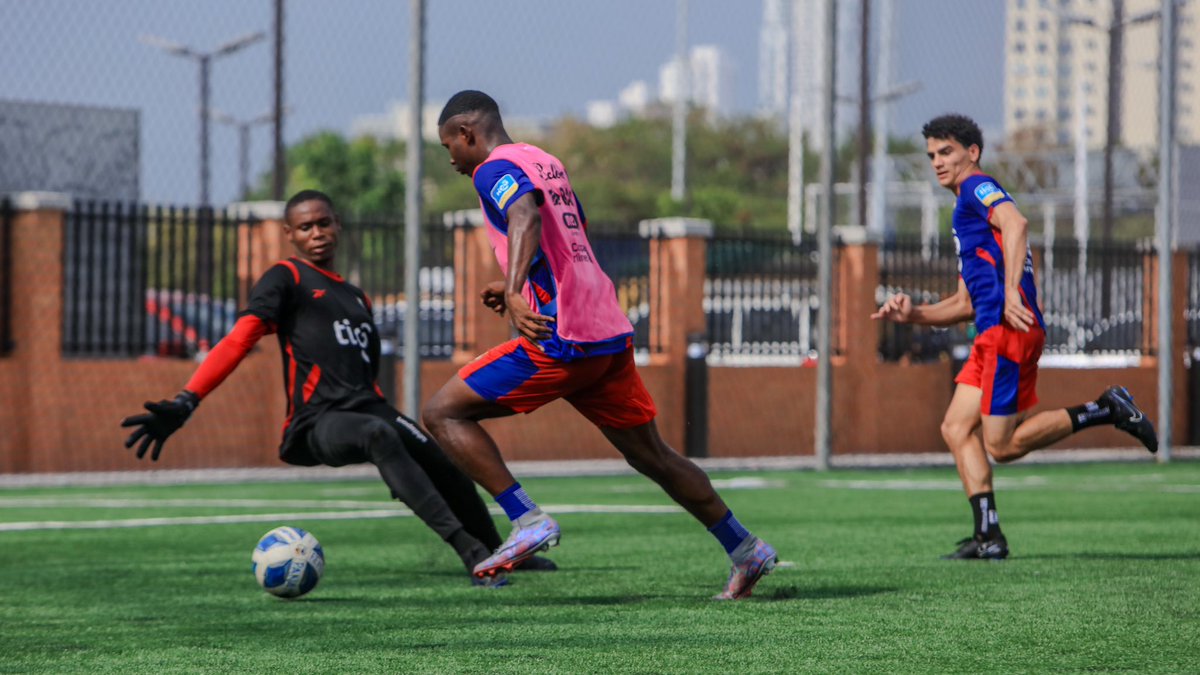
536,563
975,548
1128,418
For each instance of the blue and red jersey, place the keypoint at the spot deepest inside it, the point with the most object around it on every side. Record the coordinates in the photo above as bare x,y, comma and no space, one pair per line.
981,252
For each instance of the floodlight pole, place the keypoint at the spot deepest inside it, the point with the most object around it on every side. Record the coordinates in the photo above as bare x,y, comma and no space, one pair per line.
279,157
795,205
243,129
412,210
682,91
879,171
1112,137
824,419
1163,222
204,59
864,111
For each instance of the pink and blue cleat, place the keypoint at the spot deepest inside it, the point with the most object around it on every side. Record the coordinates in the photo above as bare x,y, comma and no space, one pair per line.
746,574
521,545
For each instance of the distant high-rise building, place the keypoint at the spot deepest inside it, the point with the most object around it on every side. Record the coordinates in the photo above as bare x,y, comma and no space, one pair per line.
808,55
635,97
712,79
602,113
711,85
394,123
1052,57
773,60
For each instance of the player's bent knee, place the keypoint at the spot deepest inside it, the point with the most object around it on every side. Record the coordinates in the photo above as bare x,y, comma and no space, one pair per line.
1002,452
381,440
955,434
434,414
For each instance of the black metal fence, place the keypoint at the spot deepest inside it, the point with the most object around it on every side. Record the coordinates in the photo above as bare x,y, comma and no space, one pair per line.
927,271
625,257
761,299
151,280
6,225
372,257
1191,314
1093,299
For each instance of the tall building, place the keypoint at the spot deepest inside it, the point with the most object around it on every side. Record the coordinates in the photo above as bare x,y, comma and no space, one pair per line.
808,55
711,85
602,113
394,123
1056,68
635,97
773,60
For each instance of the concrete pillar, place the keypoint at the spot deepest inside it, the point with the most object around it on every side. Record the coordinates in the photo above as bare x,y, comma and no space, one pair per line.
678,262
855,337
678,250
261,241
37,279
1181,406
476,328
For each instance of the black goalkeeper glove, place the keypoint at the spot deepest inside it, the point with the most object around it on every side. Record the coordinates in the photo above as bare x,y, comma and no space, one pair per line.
164,419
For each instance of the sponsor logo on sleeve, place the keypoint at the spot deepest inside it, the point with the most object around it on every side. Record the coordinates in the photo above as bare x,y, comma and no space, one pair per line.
503,190
988,193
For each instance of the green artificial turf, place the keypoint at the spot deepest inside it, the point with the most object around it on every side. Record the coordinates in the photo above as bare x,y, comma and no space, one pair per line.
1104,576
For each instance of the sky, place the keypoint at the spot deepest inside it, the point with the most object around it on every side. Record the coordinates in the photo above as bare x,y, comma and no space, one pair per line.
538,58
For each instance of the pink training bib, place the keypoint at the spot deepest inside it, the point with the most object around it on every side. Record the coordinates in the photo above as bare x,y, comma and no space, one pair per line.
588,310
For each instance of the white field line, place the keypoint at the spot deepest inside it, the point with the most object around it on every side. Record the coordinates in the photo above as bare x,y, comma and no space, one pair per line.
928,484
1030,483
598,467
108,503
365,514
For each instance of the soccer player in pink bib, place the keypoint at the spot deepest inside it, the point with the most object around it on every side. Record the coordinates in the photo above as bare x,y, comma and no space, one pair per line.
574,343
989,413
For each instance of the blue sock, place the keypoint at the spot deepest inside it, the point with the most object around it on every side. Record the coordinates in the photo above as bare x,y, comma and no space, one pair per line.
729,532
515,502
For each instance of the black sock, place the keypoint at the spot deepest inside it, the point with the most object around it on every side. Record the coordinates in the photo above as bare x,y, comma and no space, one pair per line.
983,508
1090,414
469,550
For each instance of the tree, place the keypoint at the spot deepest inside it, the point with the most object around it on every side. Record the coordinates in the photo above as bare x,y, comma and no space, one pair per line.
736,171
362,176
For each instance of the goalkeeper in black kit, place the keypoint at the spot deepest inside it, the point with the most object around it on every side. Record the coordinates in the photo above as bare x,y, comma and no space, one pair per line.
336,413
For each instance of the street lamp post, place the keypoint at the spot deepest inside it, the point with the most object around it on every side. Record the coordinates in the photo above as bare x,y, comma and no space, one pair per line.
204,60
243,128
1112,137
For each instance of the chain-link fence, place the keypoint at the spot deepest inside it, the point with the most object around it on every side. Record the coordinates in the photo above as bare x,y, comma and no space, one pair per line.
128,107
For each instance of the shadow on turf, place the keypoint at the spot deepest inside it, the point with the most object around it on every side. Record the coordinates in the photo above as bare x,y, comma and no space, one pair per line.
1121,555
821,593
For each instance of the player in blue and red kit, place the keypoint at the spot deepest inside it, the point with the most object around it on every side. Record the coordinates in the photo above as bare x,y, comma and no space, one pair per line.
997,385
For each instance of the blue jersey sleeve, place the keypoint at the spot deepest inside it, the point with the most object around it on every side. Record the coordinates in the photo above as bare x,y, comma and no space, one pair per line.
582,215
499,184
984,193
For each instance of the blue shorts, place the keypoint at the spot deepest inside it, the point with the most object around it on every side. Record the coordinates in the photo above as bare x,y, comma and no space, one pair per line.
606,389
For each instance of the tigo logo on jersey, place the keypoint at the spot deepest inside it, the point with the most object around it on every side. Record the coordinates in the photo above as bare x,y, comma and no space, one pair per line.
504,189
988,193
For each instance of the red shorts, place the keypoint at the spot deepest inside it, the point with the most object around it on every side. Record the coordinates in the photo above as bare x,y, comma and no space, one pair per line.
1003,363
606,389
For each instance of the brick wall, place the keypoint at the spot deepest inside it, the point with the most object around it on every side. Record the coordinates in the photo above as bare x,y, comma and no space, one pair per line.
60,414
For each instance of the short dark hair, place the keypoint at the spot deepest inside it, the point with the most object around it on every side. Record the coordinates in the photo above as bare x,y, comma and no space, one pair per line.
305,196
469,100
958,127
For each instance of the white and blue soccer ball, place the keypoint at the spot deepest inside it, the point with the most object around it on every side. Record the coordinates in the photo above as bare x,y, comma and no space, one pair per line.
288,562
